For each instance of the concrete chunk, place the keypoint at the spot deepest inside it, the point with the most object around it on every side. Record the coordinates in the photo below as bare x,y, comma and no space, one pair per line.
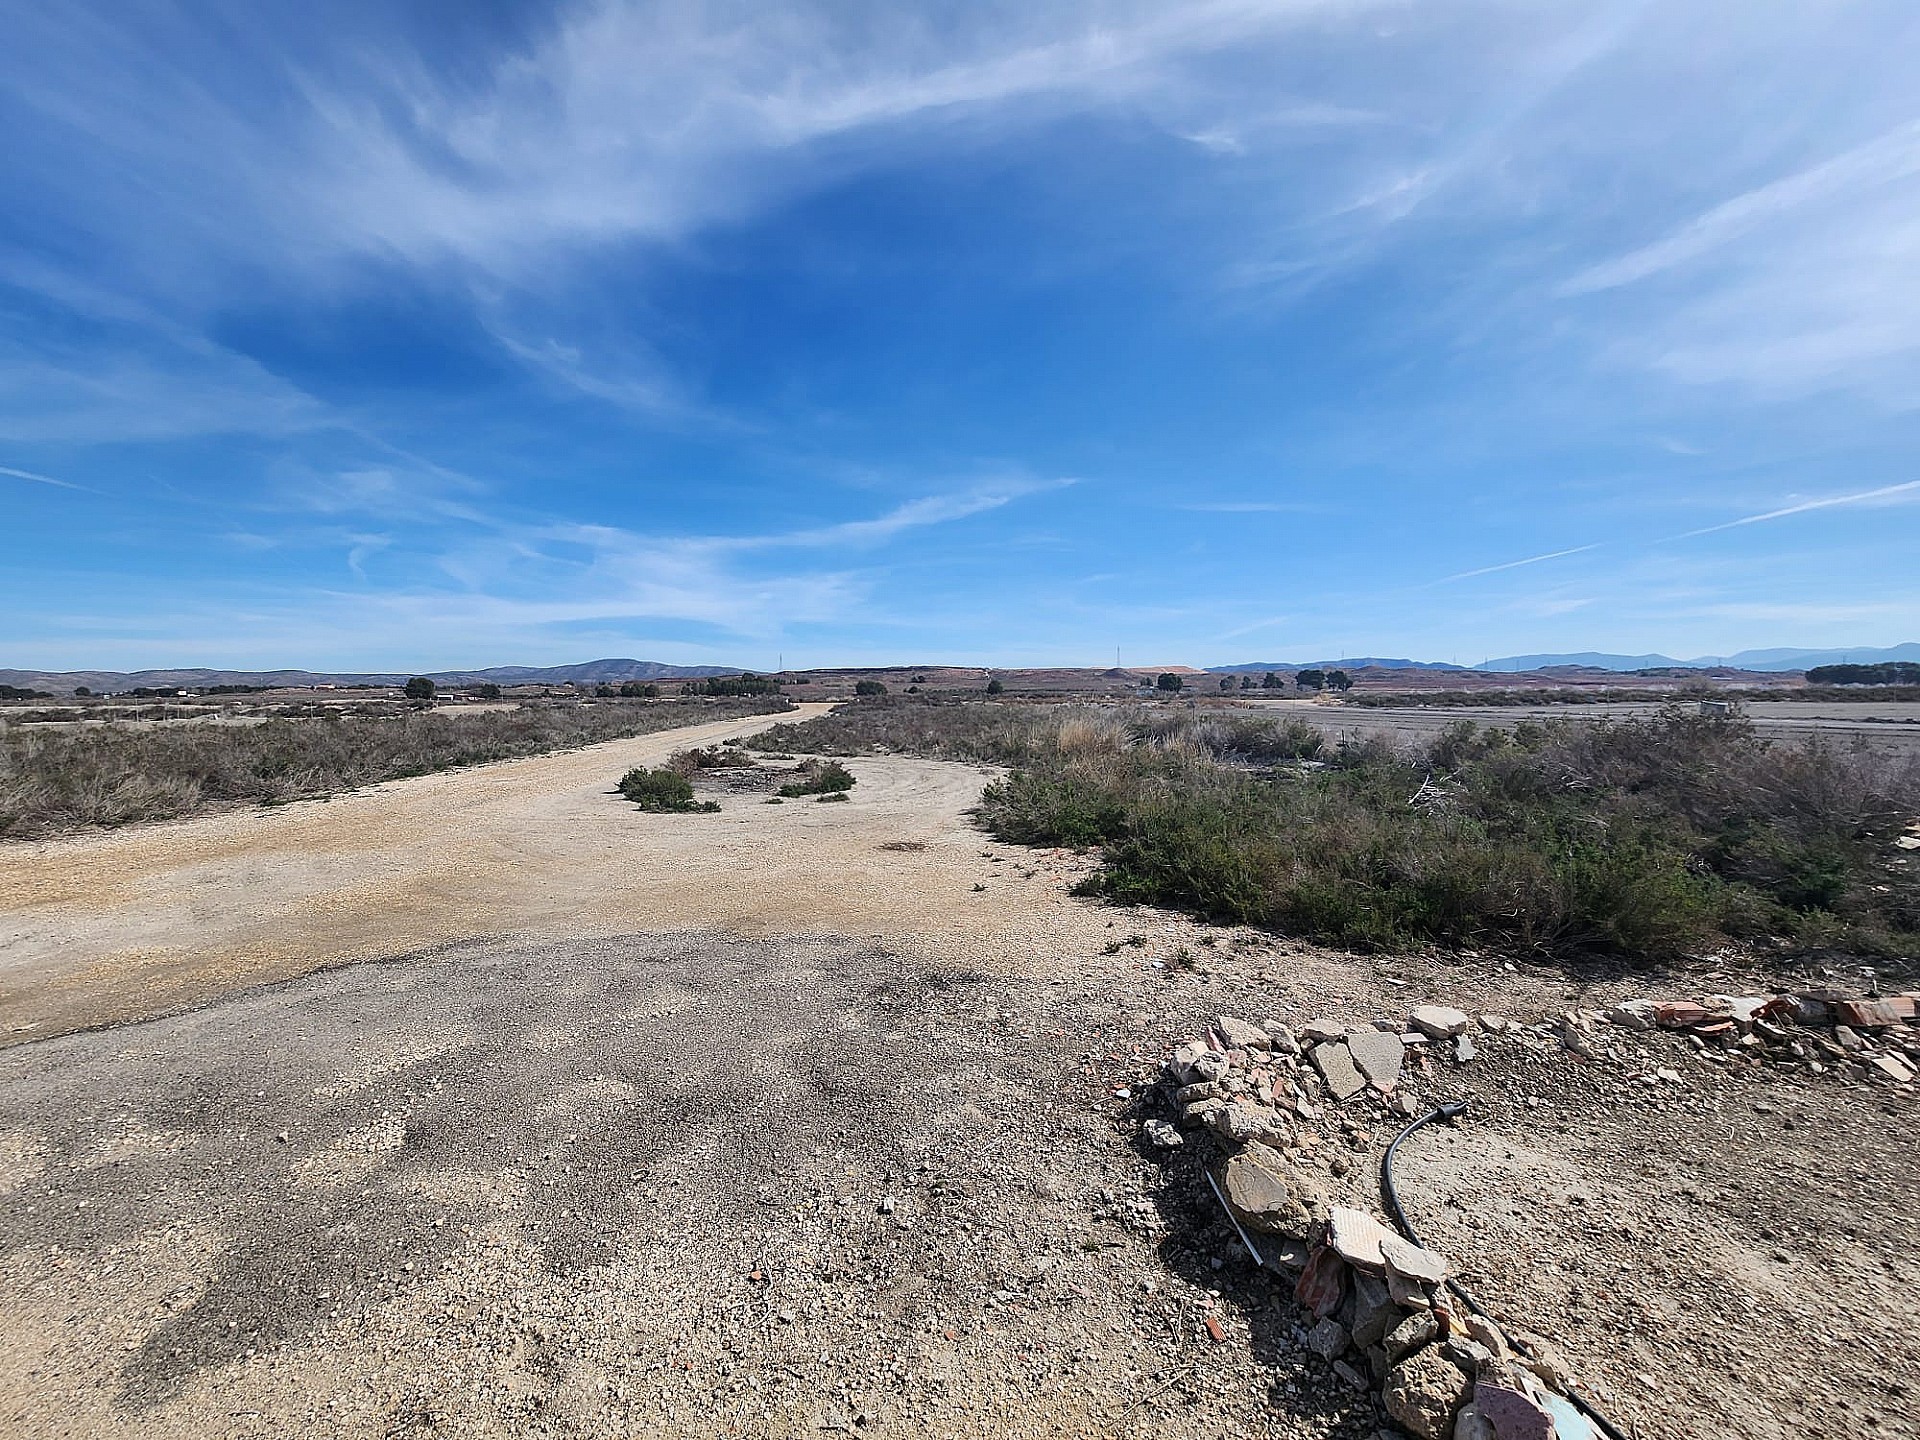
1378,1057
1356,1237
1268,1195
1334,1061
1440,1022
1411,1261
1240,1034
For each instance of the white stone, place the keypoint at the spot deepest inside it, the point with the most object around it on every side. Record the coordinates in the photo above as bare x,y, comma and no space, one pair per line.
1440,1021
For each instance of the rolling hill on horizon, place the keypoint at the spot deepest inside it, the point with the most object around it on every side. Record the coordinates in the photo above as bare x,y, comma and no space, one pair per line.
1776,659
591,672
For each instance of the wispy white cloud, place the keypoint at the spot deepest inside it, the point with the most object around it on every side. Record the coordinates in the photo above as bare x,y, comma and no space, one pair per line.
39,479
1889,158
135,394
913,515
1516,564
1266,624
522,575
1257,507
1884,495
1801,284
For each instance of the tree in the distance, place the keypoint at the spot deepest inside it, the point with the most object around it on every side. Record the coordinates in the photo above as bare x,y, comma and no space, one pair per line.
420,688
1169,682
1310,680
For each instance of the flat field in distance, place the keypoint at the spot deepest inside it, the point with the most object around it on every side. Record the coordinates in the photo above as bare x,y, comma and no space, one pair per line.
63,776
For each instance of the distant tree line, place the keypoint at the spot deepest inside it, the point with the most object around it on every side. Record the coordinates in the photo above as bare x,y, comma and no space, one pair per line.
15,692
743,684
1891,672
1309,679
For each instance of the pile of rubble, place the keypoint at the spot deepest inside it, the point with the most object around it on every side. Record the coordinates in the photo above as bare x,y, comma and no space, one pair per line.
1385,1316
1819,1030
1274,1104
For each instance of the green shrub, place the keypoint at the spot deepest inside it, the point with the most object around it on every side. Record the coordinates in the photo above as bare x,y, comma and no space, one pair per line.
1644,839
819,777
661,791
869,687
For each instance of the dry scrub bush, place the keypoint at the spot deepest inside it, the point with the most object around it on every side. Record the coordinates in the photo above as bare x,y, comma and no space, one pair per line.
54,781
1643,839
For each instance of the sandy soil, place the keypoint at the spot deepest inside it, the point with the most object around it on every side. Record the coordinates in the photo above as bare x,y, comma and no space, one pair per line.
482,1105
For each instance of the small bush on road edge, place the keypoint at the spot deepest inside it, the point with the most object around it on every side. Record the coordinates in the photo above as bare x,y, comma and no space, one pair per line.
662,792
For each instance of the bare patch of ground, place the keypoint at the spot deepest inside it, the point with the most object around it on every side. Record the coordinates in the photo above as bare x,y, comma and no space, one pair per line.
591,1120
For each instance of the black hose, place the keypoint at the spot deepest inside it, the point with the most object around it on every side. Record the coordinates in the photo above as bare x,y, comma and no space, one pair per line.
1454,1110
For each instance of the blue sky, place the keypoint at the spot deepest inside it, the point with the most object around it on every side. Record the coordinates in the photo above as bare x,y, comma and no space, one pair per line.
417,335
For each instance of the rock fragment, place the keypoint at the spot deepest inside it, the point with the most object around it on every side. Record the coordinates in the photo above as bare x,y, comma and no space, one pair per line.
1356,1237
1440,1022
1378,1056
1424,1392
1370,1311
1678,1014
1240,1034
1867,1014
1334,1061
1322,1282
1892,1067
1268,1195
1161,1135
1632,1014
1412,1262
1412,1333
1240,1123
1328,1339
1281,1040
1511,1413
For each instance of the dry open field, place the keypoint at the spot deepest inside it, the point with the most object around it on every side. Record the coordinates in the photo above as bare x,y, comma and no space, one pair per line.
1884,724
483,1104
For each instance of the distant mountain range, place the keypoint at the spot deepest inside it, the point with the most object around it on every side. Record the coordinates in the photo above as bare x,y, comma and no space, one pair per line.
1744,660
1257,667
593,672
596,672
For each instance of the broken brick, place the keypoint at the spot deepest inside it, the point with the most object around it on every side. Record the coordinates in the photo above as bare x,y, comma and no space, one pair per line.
1867,1014
1678,1014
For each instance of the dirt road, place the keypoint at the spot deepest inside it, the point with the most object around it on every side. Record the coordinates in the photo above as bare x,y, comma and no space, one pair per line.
484,1105
106,928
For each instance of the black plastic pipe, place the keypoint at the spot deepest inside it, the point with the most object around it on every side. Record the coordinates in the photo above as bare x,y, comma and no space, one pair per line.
1454,1110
